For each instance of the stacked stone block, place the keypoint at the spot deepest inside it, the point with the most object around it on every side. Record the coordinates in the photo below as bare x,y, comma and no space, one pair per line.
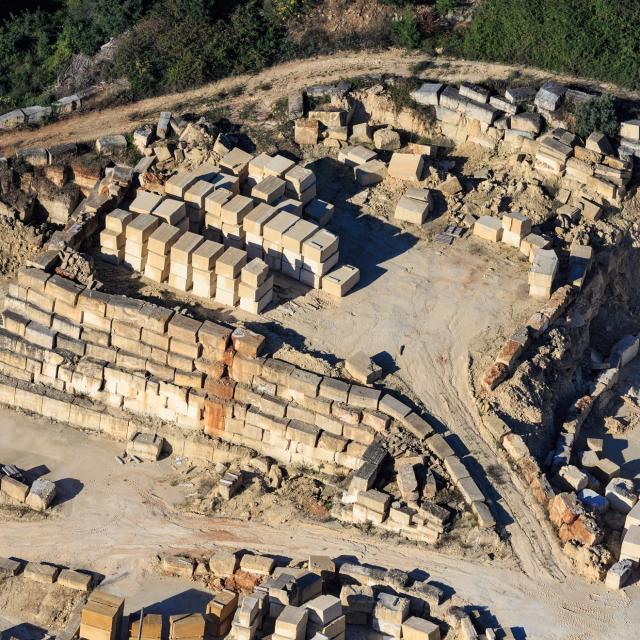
110,358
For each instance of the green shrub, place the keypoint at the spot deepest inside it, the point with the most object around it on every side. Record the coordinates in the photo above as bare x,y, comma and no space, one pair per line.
444,6
598,114
595,38
407,31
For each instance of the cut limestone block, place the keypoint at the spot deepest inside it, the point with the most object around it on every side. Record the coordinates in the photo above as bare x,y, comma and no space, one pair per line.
236,162
9,568
527,122
223,563
254,221
177,566
353,156
182,250
531,243
619,574
277,166
41,494
163,238
145,202
260,565
549,96
292,623
139,229
299,179
111,145
44,573
488,228
631,544
215,200
14,488
323,610
633,517
386,139
151,627
630,129
621,495
75,580
573,477
405,166
340,281
415,628
306,131
146,446
371,172
230,263
320,246
269,190
294,237
196,194
428,93
411,210
543,271
319,211
515,226
205,256
362,368
171,211
186,626
117,220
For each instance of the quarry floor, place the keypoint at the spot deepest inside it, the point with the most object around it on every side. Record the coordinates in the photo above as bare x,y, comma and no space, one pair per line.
430,314
114,519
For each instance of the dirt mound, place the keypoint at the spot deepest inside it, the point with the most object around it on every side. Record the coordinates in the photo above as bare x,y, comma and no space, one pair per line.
48,606
19,242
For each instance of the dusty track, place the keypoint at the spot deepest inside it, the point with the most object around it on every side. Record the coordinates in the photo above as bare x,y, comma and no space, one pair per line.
282,79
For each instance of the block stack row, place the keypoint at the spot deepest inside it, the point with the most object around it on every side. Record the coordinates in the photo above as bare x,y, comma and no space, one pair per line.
514,230
188,262
202,377
245,193
148,627
256,286
279,221
248,618
220,613
102,616
187,626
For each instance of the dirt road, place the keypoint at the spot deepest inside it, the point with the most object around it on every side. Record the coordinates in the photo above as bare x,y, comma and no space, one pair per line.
269,85
113,519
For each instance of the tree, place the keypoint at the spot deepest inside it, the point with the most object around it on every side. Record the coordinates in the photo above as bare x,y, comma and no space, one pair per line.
407,31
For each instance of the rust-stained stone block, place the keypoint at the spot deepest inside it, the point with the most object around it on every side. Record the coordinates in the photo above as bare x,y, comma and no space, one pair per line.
509,353
496,374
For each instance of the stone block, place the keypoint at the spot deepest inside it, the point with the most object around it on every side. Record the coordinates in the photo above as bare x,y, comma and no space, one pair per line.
41,494
43,573
406,166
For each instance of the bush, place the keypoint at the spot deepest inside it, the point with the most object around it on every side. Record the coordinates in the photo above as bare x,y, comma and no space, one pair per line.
596,38
167,54
598,114
26,47
406,30
444,6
